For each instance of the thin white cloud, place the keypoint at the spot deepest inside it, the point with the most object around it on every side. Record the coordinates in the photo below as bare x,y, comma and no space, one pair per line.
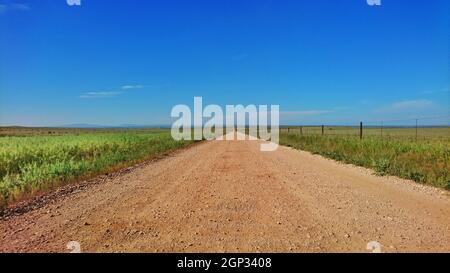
121,90
412,105
439,91
97,95
305,113
407,105
19,6
130,87
341,108
14,7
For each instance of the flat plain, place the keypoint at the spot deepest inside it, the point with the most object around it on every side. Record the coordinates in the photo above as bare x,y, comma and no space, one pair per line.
227,196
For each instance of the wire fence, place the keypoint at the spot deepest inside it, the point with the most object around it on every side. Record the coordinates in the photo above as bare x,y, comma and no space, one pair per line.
424,128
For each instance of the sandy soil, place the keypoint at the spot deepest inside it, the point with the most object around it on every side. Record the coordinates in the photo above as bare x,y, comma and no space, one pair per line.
227,196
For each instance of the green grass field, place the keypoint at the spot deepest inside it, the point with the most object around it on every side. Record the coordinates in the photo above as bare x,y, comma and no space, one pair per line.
37,159
426,160
396,133
33,160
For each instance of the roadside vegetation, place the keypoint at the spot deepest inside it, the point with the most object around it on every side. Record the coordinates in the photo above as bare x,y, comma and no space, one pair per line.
425,161
33,160
33,163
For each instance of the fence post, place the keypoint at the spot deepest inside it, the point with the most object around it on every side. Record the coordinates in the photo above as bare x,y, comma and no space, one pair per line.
417,127
289,130
301,130
382,129
360,130
323,129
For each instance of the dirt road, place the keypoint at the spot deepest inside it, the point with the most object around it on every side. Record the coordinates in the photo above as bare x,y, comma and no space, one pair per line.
227,196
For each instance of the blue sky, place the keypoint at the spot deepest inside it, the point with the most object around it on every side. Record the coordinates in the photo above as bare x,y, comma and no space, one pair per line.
130,61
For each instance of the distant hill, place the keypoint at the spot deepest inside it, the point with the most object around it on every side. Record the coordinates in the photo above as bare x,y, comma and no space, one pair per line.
81,125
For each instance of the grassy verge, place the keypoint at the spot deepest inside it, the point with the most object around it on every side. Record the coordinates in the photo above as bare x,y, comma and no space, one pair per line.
32,164
423,162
